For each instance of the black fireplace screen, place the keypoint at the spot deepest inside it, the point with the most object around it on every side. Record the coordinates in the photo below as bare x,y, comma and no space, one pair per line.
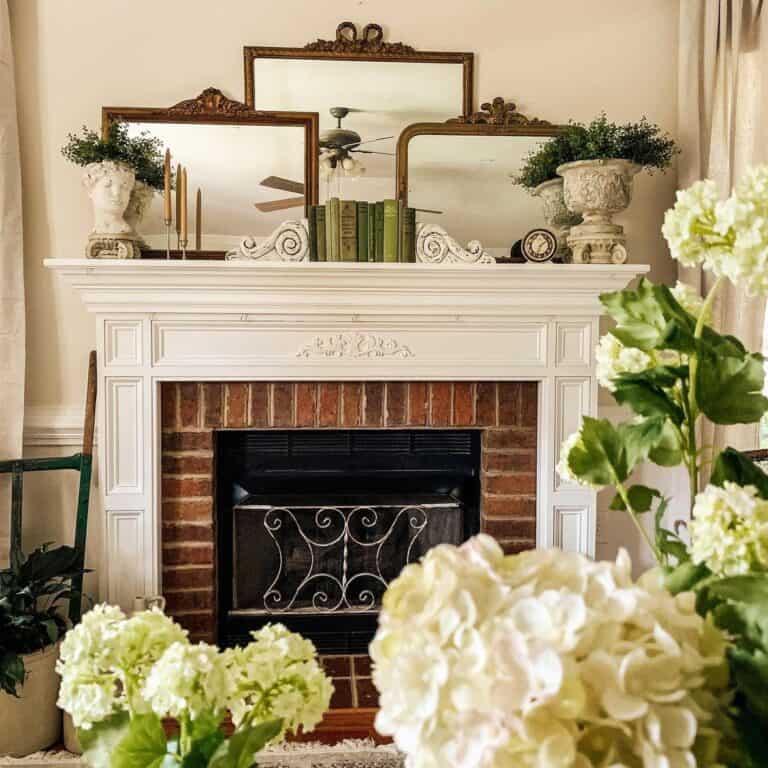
313,525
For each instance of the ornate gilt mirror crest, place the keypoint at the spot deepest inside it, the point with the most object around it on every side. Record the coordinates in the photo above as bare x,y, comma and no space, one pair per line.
227,148
366,90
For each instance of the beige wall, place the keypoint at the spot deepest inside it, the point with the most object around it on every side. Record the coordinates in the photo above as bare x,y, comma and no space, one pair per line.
557,59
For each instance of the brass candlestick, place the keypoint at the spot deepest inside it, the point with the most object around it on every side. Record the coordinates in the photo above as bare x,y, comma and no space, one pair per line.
183,246
167,238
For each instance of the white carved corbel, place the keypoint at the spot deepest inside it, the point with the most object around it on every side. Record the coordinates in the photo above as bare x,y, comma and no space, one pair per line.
289,242
435,246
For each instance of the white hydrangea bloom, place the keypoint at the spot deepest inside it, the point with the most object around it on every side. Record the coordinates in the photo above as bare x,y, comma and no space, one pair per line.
614,358
687,226
743,218
189,681
105,659
544,659
690,300
278,675
729,530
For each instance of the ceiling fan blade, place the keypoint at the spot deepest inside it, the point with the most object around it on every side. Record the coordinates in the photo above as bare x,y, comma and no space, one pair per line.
284,185
426,210
279,205
367,141
370,152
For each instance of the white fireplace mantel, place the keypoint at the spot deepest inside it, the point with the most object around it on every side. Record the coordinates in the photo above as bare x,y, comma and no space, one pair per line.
249,321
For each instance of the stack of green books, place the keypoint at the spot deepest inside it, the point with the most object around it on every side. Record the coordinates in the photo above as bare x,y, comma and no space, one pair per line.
352,230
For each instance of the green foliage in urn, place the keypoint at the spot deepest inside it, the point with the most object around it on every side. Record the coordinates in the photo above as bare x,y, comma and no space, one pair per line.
642,142
666,362
30,593
144,153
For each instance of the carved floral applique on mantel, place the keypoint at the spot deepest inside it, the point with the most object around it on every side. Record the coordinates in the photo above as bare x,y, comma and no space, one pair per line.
355,346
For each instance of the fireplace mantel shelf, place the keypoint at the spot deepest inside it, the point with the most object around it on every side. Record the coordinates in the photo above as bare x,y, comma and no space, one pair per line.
205,321
404,289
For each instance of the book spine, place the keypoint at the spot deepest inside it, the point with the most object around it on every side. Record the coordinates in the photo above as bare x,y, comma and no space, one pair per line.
400,231
312,224
390,231
362,231
380,231
348,230
322,237
334,234
371,256
409,236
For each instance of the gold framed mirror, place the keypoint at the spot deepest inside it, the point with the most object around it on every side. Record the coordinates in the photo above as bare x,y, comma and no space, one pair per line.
366,90
228,149
458,175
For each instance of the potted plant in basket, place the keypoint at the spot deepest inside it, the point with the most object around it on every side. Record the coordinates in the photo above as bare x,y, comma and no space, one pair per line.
547,658
30,628
131,168
121,677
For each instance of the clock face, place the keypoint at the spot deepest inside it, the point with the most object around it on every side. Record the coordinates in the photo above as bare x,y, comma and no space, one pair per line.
539,245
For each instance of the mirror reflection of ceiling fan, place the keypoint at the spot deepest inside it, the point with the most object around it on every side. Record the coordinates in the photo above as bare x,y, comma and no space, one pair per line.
337,147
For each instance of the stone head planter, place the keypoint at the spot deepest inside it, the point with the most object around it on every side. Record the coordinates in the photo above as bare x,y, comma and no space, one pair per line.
556,214
598,189
109,186
138,205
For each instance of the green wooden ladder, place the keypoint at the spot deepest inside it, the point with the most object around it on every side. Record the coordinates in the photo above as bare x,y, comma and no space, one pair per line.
80,462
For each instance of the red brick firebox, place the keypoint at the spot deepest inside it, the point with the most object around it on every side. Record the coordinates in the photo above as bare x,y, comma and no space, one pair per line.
191,412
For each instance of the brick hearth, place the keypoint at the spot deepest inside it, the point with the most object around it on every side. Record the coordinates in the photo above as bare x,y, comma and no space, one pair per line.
191,412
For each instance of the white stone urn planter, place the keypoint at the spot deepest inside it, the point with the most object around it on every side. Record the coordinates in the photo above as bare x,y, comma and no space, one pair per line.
109,186
598,189
32,721
138,205
557,217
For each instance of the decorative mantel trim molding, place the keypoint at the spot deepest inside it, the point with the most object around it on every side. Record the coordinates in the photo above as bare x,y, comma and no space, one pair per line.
354,345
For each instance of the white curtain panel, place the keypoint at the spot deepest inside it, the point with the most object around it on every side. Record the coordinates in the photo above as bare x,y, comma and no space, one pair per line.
723,129
11,275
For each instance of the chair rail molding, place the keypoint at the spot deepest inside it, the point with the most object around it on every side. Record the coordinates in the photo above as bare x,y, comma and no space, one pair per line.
281,321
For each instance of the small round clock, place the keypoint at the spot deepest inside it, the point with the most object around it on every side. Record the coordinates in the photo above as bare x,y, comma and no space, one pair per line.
539,245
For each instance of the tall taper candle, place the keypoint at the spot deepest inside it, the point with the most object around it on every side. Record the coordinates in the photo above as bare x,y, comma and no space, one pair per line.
167,188
183,205
198,220
178,200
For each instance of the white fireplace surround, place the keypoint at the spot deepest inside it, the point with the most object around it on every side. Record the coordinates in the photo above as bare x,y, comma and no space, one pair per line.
244,321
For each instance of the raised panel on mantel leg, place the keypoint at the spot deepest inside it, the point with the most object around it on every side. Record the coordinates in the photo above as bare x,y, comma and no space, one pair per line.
124,436
122,342
571,526
125,563
572,401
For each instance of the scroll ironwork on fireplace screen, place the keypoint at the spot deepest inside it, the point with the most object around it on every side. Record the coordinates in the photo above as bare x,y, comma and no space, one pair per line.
339,558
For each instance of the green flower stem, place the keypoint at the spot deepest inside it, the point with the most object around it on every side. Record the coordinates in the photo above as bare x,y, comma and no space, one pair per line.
692,412
622,491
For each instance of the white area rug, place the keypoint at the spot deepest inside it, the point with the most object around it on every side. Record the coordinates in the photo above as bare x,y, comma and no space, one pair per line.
351,753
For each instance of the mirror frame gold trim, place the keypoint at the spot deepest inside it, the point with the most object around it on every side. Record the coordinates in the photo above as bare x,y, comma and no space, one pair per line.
496,118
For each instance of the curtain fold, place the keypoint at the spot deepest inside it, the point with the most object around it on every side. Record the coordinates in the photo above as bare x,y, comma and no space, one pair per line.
12,346
722,125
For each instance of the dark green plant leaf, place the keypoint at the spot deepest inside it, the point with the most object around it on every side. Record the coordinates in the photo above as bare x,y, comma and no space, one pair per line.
640,498
729,388
646,398
600,457
685,577
733,466
203,749
639,439
667,452
240,750
11,672
99,741
751,673
143,745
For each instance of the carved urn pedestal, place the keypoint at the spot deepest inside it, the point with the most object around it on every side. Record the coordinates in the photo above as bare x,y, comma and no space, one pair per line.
556,214
598,189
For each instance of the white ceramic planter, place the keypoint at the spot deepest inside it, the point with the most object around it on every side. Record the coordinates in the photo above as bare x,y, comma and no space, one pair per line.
598,189
32,721
556,214
138,204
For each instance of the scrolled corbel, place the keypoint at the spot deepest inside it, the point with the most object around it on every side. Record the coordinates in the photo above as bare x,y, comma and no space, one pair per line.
289,242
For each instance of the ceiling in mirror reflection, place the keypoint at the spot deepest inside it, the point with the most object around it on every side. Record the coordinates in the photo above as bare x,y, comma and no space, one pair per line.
468,178
227,162
383,98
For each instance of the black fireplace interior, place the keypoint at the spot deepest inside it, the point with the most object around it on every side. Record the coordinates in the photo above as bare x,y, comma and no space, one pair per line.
312,524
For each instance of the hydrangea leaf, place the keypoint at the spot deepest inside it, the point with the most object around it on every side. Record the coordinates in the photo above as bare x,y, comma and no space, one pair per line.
733,466
99,741
645,397
751,673
685,576
599,458
640,498
729,387
202,750
240,750
639,439
667,452
143,745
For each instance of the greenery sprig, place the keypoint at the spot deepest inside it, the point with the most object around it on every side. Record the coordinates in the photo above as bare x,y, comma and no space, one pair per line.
145,154
642,142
